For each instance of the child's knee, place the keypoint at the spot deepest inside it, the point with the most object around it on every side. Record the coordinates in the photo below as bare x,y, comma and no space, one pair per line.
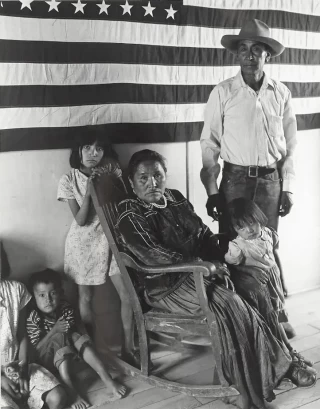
81,342
56,398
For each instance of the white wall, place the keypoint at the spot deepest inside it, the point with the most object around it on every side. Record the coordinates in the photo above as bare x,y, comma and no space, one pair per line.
33,224
299,231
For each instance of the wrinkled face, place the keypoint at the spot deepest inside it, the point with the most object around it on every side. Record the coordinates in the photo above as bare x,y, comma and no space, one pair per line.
252,56
47,297
149,181
249,231
91,155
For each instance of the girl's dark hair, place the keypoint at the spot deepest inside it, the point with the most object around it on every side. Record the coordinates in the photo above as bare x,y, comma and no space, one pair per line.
5,269
88,136
46,276
243,212
143,156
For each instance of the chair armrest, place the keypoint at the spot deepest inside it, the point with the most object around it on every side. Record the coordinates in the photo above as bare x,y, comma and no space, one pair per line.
204,267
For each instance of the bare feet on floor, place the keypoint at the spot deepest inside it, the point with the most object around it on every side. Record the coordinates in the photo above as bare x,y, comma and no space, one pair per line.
80,403
239,401
117,389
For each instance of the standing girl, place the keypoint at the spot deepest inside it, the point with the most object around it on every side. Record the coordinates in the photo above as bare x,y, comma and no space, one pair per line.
88,257
257,276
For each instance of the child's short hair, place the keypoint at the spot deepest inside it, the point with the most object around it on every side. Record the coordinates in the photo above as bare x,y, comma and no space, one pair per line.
244,211
46,276
88,136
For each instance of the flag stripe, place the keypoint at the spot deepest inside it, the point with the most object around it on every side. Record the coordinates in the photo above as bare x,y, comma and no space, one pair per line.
128,32
60,138
91,74
65,116
141,78
212,16
59,52
40,95
306,7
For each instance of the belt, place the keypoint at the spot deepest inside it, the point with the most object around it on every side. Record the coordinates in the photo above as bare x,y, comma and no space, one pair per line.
251,171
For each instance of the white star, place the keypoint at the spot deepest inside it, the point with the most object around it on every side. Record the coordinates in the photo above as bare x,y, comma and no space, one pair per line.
171,12
26,3
103,7
126,8
79,6
53,5
149,10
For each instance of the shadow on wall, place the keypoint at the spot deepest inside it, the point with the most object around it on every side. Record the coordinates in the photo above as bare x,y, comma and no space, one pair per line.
106,303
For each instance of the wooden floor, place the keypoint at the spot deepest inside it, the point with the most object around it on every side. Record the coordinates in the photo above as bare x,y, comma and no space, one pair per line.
304,311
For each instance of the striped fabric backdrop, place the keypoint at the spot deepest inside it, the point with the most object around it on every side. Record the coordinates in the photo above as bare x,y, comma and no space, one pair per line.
141,71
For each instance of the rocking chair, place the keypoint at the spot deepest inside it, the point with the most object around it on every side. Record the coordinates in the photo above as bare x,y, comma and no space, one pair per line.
106,193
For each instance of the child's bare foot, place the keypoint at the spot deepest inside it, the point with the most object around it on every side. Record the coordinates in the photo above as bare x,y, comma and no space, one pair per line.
80,403
118,389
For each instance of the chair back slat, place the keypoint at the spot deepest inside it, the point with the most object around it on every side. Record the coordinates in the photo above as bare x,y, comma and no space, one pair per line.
106,193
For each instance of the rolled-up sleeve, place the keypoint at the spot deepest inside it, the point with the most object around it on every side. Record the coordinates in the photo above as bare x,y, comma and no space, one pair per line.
210,142
290,134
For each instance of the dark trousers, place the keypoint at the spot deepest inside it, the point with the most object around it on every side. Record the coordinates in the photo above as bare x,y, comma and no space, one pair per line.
265,191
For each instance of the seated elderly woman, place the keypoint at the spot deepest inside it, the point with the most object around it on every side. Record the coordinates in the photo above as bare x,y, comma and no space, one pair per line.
159,226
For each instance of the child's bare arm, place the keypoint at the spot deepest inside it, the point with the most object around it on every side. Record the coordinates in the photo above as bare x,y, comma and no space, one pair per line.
80,213
23,352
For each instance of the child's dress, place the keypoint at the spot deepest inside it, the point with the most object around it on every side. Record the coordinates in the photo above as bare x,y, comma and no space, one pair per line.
13,298
61,345
87,257
259,253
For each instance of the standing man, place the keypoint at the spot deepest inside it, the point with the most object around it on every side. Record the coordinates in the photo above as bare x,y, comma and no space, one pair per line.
250,124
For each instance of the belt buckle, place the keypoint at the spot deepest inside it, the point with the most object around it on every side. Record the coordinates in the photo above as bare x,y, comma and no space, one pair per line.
253,171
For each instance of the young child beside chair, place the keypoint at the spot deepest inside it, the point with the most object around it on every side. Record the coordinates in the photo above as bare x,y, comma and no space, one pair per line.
58,335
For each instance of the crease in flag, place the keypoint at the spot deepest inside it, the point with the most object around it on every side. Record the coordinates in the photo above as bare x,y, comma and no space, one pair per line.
139,71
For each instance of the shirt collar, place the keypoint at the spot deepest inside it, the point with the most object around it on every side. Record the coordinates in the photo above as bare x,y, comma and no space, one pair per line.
238,82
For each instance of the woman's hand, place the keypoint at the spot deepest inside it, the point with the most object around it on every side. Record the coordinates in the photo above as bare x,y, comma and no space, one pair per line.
222,269
10,387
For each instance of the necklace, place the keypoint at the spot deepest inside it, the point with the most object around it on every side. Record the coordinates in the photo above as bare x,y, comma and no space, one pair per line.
160,206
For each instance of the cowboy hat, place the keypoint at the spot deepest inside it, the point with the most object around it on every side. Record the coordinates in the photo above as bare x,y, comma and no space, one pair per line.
254,30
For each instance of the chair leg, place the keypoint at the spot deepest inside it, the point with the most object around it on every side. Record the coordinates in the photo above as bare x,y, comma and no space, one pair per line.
216,380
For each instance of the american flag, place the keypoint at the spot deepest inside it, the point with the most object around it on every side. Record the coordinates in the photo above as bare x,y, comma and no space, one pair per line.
140,71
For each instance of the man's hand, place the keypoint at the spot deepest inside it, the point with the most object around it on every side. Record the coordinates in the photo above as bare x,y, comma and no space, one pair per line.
10,387
286,203
214,206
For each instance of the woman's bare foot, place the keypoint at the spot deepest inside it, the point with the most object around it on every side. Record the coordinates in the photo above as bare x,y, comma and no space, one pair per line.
118,389
239,401
80,403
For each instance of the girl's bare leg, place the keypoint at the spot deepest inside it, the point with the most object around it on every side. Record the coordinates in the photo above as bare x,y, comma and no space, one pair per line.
126,313
85,304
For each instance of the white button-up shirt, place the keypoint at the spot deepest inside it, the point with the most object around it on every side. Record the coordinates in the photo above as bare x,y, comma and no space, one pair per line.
248,128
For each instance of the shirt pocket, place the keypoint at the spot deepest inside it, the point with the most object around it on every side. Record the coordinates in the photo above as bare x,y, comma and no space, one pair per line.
276,126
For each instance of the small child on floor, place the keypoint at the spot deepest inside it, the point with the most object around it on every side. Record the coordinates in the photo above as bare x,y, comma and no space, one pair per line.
33,384
58,336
